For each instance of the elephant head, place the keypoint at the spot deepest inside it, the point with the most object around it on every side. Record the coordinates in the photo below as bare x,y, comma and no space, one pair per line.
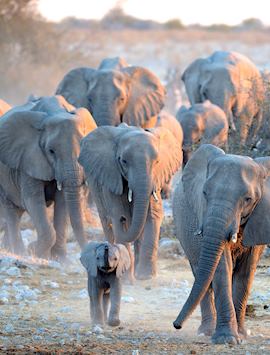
132,163
105,257
230,195
202,123
45,146
132,95
115,63
193,126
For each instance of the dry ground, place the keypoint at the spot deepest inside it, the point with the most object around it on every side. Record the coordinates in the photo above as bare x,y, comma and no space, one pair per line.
56,320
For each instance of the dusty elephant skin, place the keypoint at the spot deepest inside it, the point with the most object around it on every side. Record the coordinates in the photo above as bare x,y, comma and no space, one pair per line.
126,168
231,81
105,264
115,93
202,123
39,146
221,212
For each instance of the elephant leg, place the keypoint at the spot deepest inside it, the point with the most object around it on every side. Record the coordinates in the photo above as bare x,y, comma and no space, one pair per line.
106,301
147,265
96,302
245,124
255,127
60,222
12,230
208,312
115,297
242,281
35,204
226,328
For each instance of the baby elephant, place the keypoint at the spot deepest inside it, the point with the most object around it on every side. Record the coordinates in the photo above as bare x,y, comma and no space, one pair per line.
202,123
105,264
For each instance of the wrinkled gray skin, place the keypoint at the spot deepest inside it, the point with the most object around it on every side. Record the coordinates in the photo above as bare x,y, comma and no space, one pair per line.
221,212
131,94
105,264
126,168
202,123
115,63
231,81
39,147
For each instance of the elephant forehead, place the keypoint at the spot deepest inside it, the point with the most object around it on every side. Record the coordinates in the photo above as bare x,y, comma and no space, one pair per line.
235,166
140,139
111,76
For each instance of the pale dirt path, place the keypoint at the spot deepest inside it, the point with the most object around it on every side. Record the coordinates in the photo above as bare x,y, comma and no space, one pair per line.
57,320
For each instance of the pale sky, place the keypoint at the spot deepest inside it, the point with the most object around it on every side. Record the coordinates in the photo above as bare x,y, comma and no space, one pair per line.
205,12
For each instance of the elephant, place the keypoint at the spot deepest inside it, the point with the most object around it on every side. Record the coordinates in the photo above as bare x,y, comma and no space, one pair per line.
221,214
39,147
202,123
166,120
231,81
115,63
4,107
126,168
132,95
105,264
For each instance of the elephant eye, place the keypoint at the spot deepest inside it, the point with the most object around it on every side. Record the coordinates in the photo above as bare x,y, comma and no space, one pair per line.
52,151
97,257
115,259
248,199
122,161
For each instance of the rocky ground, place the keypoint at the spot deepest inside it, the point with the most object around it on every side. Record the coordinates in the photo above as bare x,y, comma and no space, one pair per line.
44,308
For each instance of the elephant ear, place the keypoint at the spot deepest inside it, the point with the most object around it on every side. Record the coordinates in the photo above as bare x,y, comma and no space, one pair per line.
170,156
147,96
74,86
19,144
64,104
124,261
194,177
98,158
88,258
257,228
86,121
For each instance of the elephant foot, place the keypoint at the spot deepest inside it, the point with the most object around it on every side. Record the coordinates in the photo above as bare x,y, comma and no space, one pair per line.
59,254
145,272
243,333
226,336
37,250
207,328
114,322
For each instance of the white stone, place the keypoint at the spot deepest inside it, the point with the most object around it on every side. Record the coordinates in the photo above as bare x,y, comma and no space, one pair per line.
127,299
97,329
13,271
83,294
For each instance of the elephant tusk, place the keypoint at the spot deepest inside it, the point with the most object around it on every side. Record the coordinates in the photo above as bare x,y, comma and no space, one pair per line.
155,195
129,195
234,238
86,183
59,186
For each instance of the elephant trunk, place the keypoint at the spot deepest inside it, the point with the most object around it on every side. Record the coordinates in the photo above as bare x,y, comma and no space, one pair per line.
214,233
72,183
140,200
73,201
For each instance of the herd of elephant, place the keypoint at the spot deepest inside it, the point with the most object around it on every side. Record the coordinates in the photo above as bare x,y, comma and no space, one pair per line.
104,130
